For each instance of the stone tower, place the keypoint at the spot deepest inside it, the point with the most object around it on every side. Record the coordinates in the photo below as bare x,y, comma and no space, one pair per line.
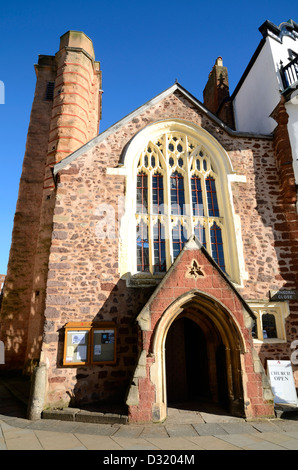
65,115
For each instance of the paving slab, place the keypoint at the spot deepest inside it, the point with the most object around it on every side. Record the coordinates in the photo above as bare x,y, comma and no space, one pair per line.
96,429
28,441
184,418
130,431
263,426
244,441
238,427
287,425
213,443
2,441
154,431
291,444
275,437
59,426
293,434
54,425
134,443
265,445
95,442
215,418
20,439
183,430
174,443
209,429
51,440
2,444
19,422
10,432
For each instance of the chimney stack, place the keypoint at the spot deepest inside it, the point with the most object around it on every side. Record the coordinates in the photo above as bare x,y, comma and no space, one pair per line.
216,93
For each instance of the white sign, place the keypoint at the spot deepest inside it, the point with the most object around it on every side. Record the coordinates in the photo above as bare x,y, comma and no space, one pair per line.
282,382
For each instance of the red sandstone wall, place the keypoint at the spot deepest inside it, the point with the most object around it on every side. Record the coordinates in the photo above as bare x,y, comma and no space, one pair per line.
83,281
56,129
17,296
73,102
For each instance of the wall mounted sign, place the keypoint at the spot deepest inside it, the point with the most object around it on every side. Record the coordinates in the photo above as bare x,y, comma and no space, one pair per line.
89,343
282,382
282,295
103,345
76,346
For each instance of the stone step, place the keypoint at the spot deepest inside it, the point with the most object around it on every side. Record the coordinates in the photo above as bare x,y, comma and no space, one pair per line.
83,416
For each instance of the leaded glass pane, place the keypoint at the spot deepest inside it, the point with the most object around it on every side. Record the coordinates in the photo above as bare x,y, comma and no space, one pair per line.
157,193
217,246
200,233
213,210
197,196
143,264
178,239
177,193
159,243
142,193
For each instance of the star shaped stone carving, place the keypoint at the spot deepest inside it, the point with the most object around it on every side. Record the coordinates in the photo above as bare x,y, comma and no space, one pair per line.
194,270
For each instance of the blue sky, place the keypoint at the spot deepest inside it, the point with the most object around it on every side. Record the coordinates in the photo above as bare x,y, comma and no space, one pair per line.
143,48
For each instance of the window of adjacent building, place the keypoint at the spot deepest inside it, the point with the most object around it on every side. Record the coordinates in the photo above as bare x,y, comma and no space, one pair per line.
176,196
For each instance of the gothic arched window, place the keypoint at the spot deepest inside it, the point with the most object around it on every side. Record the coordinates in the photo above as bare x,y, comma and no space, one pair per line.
176,196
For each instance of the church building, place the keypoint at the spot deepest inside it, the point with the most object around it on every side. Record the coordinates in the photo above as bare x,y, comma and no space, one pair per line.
156,262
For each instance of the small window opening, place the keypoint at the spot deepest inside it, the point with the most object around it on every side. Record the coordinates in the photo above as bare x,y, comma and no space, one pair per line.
269,326
50,91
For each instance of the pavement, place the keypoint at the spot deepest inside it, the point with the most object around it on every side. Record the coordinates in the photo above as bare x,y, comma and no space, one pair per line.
182,434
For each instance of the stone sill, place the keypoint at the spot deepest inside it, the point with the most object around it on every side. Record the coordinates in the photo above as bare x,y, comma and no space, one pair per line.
269,341
144,280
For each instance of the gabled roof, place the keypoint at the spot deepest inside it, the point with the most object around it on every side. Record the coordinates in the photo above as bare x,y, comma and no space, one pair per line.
176,87
194,244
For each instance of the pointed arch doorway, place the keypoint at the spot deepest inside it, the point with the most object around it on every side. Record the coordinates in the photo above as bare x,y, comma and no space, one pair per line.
198,347
195,364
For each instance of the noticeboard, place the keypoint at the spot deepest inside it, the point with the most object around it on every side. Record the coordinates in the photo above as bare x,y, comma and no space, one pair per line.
103,346
282,382
87,343
76,346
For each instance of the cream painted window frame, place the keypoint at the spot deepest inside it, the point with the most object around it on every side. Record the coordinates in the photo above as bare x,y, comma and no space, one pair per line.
280,310
186,170
225,176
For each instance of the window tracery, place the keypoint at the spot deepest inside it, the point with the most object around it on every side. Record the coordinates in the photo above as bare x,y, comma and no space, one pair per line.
176,196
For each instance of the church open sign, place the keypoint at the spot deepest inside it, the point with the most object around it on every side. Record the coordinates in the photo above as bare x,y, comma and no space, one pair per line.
282,382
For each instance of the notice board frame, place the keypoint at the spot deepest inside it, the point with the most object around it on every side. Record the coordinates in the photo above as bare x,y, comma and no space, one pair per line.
80,343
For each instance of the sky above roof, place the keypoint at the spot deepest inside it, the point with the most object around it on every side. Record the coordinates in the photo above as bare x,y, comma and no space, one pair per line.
143,47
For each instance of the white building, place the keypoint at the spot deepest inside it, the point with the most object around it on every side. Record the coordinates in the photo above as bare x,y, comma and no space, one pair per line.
272,74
